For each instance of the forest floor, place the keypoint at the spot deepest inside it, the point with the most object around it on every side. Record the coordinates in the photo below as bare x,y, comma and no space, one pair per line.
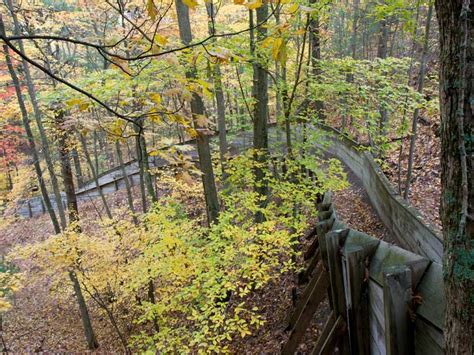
41,321
426,178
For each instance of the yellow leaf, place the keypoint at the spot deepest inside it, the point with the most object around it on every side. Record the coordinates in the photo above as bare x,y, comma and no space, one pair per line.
156,98
151,9
239,2
267,42
254,4
161,40
190,3
73,102
277,43
293,8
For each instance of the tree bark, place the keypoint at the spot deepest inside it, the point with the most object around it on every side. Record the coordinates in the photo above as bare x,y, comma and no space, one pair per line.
73,214
219,93
37,114
421,81
197,109
29,134
456,30
260,128
382,53
77,167
95,174
128,186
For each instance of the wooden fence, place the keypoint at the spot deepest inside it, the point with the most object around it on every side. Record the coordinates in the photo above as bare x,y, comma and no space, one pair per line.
402,219
383,299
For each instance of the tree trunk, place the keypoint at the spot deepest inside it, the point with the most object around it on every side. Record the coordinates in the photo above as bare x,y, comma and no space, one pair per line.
141,174
29,134
315,51
355,24
86,320
421,81
66,171
73,213
37,114
95,174
260,129
146,163
456,29
127,181
219,93
382,53
197,109
77,167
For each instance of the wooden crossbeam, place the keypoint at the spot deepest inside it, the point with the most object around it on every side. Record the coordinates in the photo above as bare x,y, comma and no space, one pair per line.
330,337
305,311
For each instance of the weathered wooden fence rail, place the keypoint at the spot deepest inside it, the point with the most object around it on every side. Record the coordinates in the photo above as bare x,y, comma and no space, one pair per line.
404,221
383,299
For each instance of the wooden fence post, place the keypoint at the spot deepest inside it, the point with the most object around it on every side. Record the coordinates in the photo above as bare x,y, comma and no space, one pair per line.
334,243
357,299
397,293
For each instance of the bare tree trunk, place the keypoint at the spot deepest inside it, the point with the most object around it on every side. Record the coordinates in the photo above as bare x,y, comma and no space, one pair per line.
73,213
143,154
95,174
197,109
127,182
410,72
141,168
260,129
29,134
421,81
217,78
77,167
456,30
315,54
38,117
355,25
382,53
86,320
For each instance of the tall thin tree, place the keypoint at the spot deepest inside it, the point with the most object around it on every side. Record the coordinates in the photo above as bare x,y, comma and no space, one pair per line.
197,110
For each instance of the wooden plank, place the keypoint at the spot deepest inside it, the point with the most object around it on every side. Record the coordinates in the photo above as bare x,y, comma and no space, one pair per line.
323,337
356,292
397,294
376,319
303,301
311,251
333,338
433,306
428,338
317,295
390,255
334,243
305,275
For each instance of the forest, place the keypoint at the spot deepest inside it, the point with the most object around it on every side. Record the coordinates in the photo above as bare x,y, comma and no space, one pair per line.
187,176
